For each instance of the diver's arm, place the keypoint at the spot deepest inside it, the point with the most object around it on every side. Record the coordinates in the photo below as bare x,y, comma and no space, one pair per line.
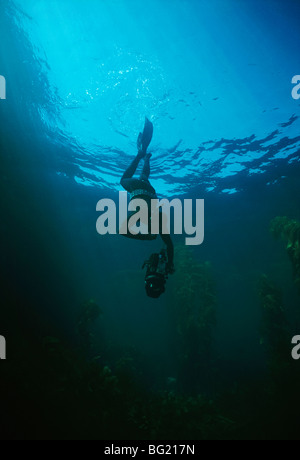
170,251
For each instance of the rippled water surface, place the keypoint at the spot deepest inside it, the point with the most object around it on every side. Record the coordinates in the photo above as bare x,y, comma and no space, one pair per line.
214,77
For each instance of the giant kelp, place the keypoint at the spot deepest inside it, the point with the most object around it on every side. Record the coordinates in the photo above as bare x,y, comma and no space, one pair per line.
289,230
193,309
281,382
71,397
274,327
89,313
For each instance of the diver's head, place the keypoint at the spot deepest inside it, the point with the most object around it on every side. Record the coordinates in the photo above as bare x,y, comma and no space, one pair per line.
155,285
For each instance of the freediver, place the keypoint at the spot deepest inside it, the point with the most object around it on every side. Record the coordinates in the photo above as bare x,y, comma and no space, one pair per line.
142,188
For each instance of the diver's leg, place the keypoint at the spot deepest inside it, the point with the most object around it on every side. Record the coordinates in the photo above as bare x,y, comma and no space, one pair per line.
129,173
143,142
146,137
146,169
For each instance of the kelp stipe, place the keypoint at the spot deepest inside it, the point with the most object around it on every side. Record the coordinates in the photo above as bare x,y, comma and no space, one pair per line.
194,310
274,331
289,230
89,313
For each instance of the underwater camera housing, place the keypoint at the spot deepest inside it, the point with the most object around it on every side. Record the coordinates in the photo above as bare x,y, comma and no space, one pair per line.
156,275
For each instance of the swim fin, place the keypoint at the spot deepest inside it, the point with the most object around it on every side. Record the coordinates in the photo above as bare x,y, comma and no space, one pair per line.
145,138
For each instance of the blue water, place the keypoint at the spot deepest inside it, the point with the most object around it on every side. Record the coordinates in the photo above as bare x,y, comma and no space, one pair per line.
213,76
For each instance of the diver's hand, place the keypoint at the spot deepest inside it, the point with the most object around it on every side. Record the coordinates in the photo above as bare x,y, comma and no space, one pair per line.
171,269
